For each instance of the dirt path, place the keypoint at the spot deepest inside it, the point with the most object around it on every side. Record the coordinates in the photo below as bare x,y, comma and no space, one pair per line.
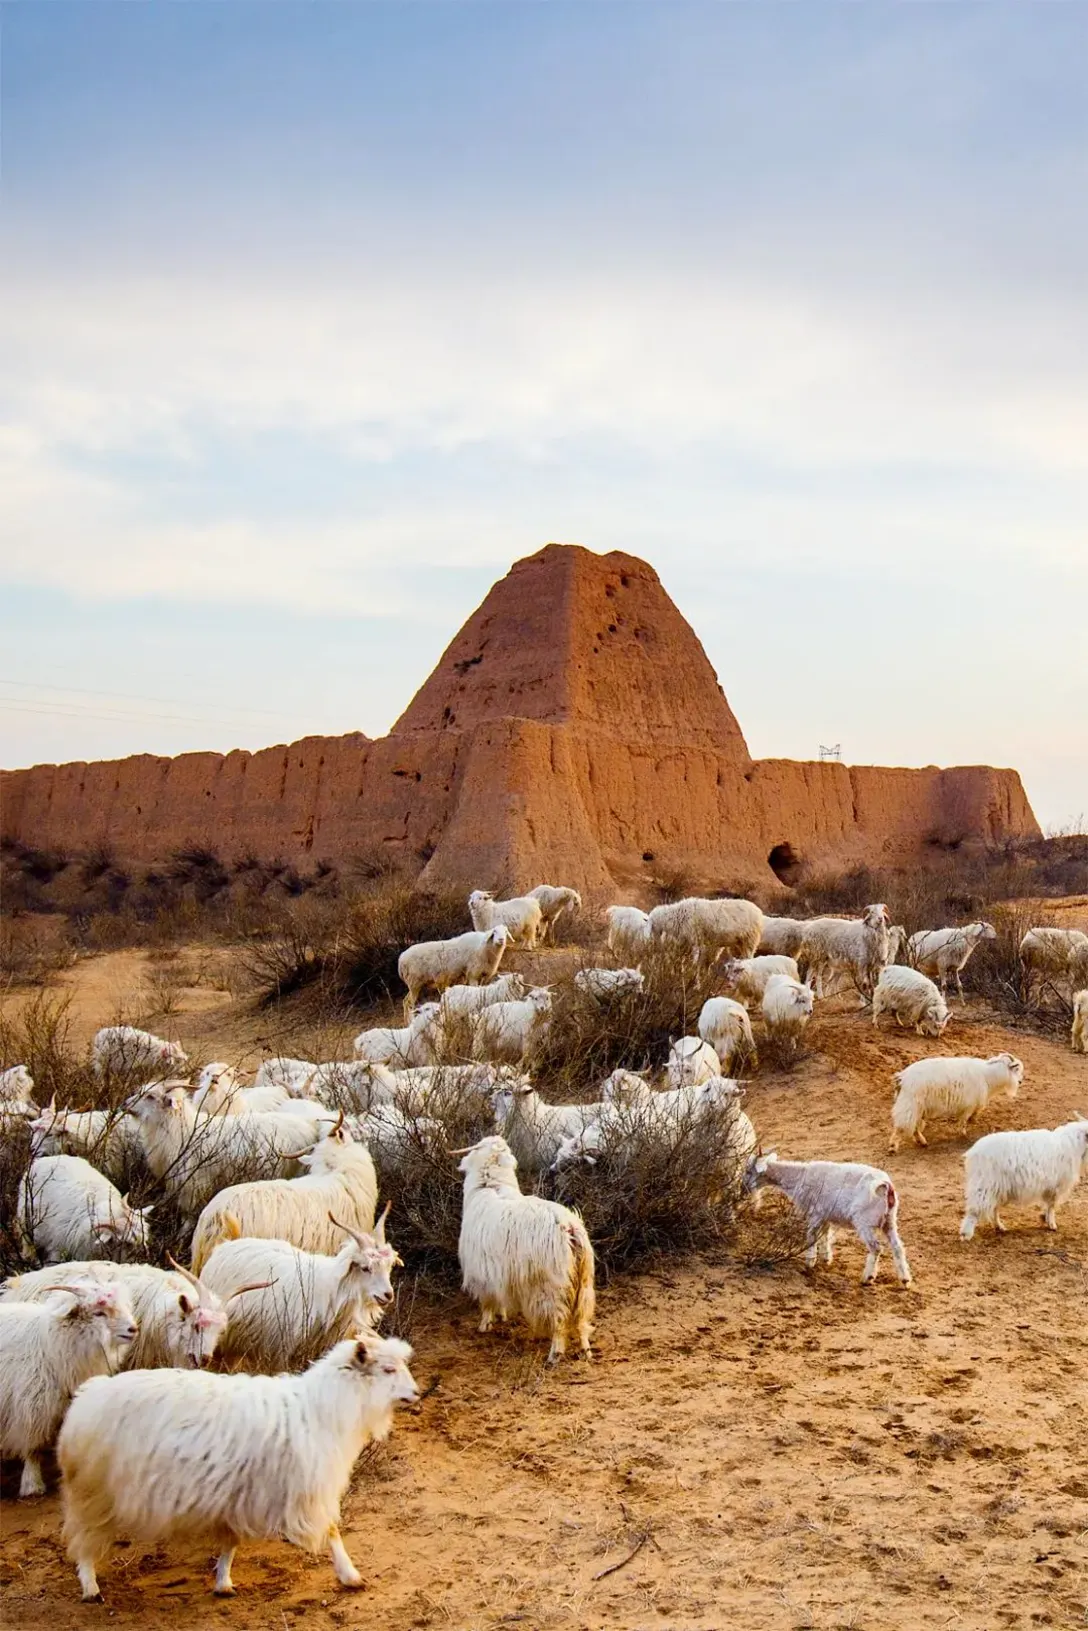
757,1450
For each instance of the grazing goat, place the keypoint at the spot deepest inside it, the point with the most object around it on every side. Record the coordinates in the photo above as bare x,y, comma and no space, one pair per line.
781,937
947,951
109,1139
1040,1166
745,978
724,1025
161,1454
458,1001
123,1049
690,1062
533,1129
69,1210
628,933
1078,1037
787,1007
521,1254
827,1193
465,959
504,1032
912,998
420,1042
957,1088
709,929
604,983
855,948
522,917
553,900
1057,954
291,1074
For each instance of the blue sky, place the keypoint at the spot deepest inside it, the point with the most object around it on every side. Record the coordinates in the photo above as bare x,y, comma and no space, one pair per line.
315,317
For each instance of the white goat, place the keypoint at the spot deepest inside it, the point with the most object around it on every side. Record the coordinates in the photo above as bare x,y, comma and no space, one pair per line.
69,1210
109,1139
1041,1166
534,1129
1057,954
787,1007
465,959
554,900
827,1193
604,983
458,1001
159,1454
957,1088
308,1300
46,1351
912,998
1078,1036
353,1084
709,929
628,933
781,937
417,1043
505,1032
745,978
220,1091
690,1062
339,1178
851,948
522,916
629,1121
16,1083
391,1134
725,1025
946,951
123,1048
521,1254
290,1074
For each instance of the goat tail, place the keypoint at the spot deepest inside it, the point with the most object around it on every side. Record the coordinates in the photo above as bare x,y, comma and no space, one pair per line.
583,1295
223,1227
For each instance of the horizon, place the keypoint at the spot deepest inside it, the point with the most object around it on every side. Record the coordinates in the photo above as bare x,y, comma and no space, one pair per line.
316,319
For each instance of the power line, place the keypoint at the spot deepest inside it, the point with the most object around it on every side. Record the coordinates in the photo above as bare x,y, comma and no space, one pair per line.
128,696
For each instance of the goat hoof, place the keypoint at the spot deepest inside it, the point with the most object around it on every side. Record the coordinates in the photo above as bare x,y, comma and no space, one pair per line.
223,1591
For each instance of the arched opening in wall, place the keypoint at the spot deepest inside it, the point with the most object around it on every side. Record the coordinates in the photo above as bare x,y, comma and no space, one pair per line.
785,863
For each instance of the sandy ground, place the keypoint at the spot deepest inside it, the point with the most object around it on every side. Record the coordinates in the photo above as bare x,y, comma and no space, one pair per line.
756,1449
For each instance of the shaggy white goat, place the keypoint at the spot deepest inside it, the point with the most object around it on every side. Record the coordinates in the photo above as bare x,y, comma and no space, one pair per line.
220,1091
709,929
308,1301
912,998
1041,1166
161,1454
554,900
945,952
827,1193
353,1084
781,937
461,1000
1078,1037
291,1074
46,1351
534,1129
417,1043
339,1178
465,959
109,1139
1057,954
957,1088
787,1006
69,1210
391,1134
522,917
852,948
725,1025
123,1048
604,983
627,1121
16,1083
521,1254
628,933
690,1062
505,1032
745,978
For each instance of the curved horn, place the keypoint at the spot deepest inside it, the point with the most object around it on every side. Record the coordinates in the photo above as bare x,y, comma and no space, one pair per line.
379,1227
348,1230
185,1273
466,1151
296,1155
257,1285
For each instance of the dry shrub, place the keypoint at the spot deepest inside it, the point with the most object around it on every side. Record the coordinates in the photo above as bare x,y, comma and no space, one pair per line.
783,1050
14,1159
39,1036
33,948
770,1235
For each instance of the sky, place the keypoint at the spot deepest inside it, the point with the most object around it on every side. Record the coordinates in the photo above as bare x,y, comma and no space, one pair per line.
314,317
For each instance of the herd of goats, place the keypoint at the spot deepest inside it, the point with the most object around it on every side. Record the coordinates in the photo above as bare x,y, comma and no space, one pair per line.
103,1355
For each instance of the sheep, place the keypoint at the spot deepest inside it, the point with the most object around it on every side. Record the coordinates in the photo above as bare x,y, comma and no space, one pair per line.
506,1031
180,1319
466,959
625,1121
787,1007
16,1083
158,1454
690,1062
521,1254
781,937
709,929
958,1087
912,998
554,900
745,978
837,1192
1055,953
854,947
947,951
628,933
122,1048
534,1129
460,1000
308,1301
109,1139
523,916
725,1025
46,1351
604,983
1041,1165
339,1177
1078,1039
196,1155
420,1042
69,1210
291,1074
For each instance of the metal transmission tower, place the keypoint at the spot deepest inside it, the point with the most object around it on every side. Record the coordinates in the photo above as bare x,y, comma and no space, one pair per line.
831,753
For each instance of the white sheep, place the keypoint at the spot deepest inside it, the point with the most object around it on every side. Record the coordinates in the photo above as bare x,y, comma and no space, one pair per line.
690,1062
505,1032
521,1254
725,1025
109,1139
180,1320
122,1048
628,933
465,959
420,1042
709,929
458,1001
946,951
851,948
1078,1038
291,1074
554,900
957,1088
339,1177
604,983
522,916
781,937
745,978
534,1129
827,1193
308,1301
1040,1166
16,1083
70,1210
1056,954
787,1007
161,1454
912,998
47,1350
